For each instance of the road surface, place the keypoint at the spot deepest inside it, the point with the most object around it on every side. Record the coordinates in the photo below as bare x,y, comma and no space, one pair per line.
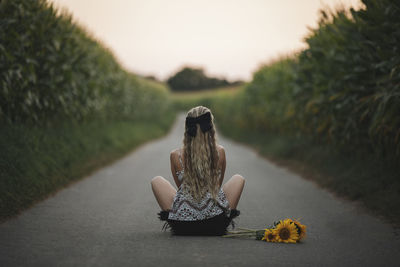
109,219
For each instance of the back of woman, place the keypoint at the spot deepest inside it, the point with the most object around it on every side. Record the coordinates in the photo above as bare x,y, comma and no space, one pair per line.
200,206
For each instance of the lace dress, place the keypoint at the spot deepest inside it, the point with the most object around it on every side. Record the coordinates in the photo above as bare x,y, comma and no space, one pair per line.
204,217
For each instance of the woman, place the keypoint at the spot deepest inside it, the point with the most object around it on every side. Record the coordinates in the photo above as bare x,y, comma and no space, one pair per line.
200,206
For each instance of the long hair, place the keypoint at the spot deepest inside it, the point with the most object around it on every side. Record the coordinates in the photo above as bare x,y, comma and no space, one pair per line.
201,158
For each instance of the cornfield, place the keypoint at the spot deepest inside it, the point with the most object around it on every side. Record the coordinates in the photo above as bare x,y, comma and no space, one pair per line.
343,90
51,69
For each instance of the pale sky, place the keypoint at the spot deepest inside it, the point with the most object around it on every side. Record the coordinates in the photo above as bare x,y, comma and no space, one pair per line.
228,38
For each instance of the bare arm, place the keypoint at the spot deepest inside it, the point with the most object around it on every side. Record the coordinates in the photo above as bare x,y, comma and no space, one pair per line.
223,164
173,159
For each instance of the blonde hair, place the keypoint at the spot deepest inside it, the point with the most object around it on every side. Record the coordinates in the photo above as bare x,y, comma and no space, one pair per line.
201,158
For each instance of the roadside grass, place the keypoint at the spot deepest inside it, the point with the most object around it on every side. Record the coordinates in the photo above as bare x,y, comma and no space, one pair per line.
66,105
186,100
361,177
35,162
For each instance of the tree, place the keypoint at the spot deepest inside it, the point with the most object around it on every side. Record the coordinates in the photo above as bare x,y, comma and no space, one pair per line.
192,79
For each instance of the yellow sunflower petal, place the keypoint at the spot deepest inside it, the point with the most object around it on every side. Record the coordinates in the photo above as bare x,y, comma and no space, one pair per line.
302,229
270,235
287,232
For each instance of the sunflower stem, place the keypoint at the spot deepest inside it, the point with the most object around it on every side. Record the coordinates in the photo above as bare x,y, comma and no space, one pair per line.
246,229
239,235
239,232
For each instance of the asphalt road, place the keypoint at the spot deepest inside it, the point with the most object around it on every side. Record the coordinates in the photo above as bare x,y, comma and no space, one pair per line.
109,219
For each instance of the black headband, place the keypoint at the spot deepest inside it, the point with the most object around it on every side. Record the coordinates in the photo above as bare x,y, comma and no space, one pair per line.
204,121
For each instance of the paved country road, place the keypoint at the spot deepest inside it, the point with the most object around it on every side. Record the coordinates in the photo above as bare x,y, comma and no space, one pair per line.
109,219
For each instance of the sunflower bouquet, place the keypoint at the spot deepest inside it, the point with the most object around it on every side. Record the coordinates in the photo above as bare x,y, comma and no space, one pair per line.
287,231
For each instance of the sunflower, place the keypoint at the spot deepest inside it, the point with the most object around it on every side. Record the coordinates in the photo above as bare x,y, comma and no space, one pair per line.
301,229
270,235
286,231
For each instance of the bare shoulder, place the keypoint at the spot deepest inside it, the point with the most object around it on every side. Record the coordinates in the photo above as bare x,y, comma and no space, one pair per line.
220,147
221,150
174,153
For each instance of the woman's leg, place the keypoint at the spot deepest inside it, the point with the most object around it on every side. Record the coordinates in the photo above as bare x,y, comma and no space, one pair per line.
163,191
233,189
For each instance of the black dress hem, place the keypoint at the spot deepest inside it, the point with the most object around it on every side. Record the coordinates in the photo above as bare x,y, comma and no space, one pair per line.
216,225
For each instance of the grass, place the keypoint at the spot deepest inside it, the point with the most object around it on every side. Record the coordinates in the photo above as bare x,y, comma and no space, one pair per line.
226,90
187,100
35,161
363,178
73,77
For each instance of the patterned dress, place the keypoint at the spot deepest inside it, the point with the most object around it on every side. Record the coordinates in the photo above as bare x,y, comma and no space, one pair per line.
185,208
204,217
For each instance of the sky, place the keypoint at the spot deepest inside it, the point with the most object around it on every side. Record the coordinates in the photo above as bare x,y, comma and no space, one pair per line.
227,38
